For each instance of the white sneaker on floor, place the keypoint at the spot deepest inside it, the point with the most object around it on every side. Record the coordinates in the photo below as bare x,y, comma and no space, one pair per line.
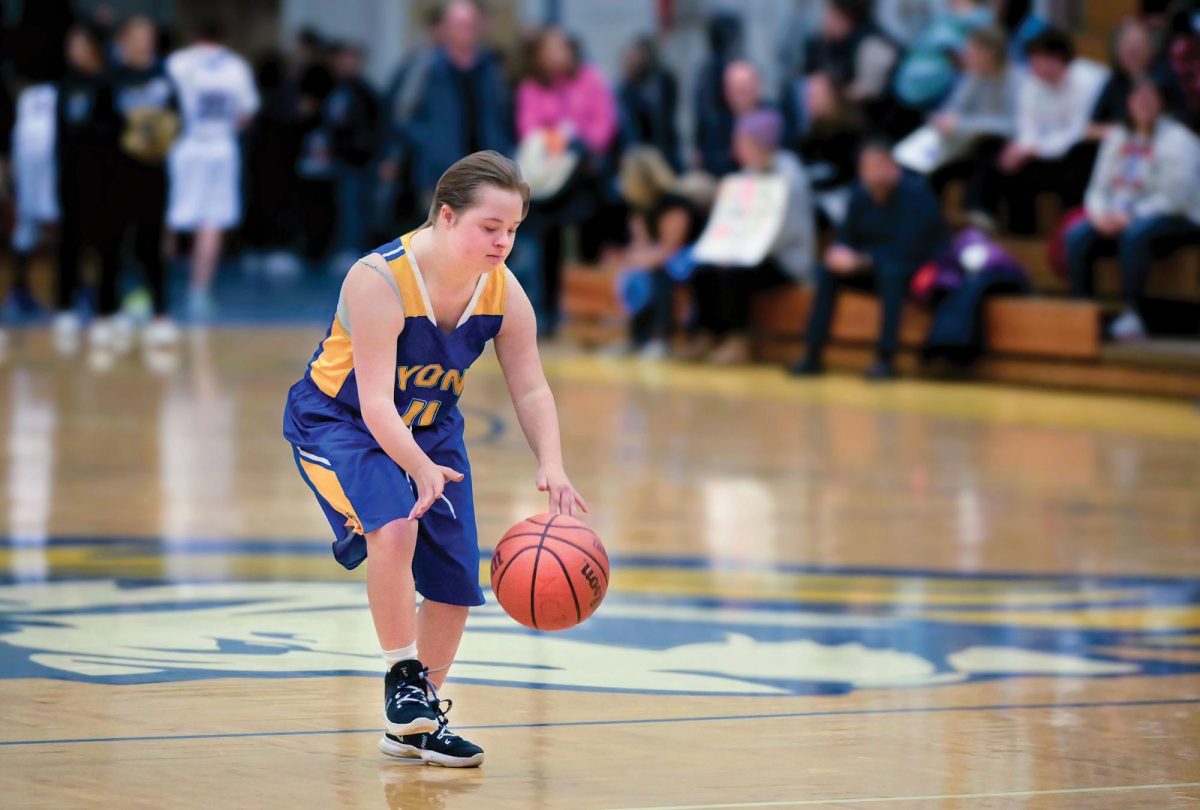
124,333
655,350
66,328
113,333
160,334
1128,327
280,265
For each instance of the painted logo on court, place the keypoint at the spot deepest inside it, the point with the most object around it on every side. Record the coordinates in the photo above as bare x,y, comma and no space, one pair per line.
106,631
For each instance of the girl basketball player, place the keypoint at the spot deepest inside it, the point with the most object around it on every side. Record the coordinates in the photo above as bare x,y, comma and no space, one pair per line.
377,434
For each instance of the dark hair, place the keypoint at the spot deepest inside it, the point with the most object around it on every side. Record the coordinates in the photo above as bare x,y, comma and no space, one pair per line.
876,142
539,41
992,38
1051,42
1143,83
459,186
309,37
857,11
211,29
93,33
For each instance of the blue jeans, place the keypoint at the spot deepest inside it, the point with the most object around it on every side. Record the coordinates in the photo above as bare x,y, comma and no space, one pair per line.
1136,248
889,279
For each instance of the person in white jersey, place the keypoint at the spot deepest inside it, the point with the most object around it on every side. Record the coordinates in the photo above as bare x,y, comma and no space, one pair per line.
35,174
217,98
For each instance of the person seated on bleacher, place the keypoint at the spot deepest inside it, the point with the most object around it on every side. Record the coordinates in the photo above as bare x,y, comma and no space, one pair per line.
1141,202
854,52
662,221
894,225
826,130
724,288
1049,153
1134,50
979,117
742,91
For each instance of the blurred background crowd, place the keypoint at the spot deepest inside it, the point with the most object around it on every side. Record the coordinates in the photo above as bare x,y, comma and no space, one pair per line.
161,159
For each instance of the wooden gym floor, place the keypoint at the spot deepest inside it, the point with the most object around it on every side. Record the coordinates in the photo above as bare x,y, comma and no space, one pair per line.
824,594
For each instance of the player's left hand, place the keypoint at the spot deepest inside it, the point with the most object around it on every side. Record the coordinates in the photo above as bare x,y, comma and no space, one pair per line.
563,498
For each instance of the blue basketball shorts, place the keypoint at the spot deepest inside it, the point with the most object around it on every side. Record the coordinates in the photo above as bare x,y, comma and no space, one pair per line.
361,489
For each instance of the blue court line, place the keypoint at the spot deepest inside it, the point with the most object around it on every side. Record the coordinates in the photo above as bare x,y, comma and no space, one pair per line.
635,722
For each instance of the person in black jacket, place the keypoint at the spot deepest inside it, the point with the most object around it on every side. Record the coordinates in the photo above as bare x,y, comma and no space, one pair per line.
88,129
148,107
353,116
647,100
894,225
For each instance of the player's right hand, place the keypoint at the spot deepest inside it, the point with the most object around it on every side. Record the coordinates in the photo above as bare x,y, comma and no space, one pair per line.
431,480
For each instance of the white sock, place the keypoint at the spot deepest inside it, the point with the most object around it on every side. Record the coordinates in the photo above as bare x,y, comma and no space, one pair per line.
393,657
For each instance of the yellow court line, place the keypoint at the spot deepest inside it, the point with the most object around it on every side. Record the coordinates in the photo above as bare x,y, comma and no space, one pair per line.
1179,617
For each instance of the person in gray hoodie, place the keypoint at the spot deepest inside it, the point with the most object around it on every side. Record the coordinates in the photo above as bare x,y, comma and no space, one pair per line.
980,115
1141,202
724,294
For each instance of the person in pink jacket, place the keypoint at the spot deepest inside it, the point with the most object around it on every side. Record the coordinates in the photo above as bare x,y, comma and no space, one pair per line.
570,105
562,93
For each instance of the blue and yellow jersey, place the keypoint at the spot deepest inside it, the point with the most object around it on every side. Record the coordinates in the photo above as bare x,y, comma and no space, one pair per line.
431,364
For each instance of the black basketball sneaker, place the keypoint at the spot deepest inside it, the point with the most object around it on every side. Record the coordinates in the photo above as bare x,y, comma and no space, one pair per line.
441,747
409,700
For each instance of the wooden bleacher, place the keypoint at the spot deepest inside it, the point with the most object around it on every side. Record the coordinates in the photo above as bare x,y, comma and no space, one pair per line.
1035,341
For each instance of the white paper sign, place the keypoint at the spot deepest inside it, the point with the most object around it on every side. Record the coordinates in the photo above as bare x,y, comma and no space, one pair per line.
746,219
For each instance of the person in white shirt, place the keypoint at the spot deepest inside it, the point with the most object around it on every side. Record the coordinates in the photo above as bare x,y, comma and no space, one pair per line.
1050,151
35,171
1141,202
217,98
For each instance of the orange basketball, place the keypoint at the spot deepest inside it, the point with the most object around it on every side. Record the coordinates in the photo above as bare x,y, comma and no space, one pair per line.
550,572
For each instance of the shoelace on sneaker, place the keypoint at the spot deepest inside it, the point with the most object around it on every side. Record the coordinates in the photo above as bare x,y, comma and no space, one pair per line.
423,692
409,693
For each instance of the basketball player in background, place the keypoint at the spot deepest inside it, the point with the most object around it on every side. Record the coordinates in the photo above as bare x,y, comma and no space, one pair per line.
86,128
35,181
377,434
217,97
146,102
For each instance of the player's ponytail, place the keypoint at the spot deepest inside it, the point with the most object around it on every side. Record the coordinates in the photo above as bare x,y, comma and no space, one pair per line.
458,187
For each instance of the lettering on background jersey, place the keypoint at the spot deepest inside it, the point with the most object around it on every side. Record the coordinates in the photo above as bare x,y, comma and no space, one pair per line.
431,376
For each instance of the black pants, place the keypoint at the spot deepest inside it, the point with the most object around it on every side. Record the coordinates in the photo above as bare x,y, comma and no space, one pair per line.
724,295
85,186
974,166
889,279
1066,177
139,206
318,216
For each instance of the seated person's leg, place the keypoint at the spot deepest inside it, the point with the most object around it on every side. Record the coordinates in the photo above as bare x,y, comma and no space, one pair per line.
1144,240
892,282
826,285
1084,245
1021,191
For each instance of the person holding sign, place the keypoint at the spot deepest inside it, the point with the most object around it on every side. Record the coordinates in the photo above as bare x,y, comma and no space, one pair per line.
761,234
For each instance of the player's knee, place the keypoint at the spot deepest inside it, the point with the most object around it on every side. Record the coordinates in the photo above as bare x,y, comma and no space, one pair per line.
393,540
